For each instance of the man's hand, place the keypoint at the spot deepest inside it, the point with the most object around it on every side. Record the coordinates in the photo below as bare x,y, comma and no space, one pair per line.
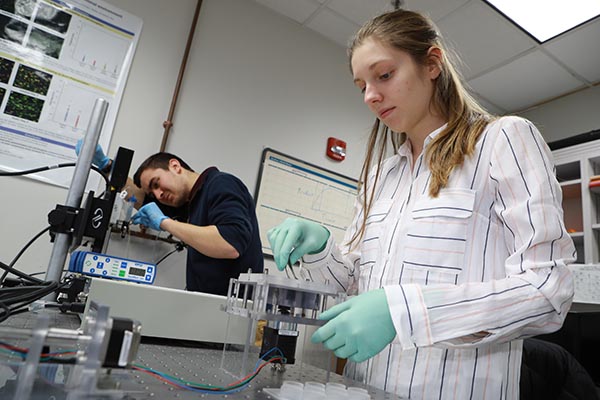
358,328
149,215
100,159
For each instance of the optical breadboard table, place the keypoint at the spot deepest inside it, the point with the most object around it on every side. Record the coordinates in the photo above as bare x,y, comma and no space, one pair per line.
199,364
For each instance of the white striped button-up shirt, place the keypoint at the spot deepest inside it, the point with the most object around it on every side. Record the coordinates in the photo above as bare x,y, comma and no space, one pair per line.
467,274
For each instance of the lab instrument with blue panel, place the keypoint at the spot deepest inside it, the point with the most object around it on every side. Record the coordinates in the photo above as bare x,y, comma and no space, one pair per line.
107,266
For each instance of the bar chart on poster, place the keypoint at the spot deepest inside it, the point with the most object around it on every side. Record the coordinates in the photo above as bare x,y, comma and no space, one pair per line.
57,57
290,187
100,50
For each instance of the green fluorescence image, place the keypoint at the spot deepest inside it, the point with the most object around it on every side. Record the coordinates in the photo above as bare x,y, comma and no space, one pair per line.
23,106
6,67
33,80
2,91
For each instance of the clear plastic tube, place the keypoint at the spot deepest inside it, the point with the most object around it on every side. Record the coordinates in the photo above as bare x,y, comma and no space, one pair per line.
129,208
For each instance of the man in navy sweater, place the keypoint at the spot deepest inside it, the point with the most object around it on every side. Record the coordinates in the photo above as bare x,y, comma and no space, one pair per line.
222,230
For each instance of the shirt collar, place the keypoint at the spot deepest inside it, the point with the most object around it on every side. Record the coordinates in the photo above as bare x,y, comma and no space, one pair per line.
200,181
433,135
405,148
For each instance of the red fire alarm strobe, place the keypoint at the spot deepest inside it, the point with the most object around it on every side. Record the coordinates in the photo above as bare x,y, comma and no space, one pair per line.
336,149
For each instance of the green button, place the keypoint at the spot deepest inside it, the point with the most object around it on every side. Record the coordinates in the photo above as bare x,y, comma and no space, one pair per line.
122,273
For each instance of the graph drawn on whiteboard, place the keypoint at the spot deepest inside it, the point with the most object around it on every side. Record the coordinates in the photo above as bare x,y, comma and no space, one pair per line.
289,187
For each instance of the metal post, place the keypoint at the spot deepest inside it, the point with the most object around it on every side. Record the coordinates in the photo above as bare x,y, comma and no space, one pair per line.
62,241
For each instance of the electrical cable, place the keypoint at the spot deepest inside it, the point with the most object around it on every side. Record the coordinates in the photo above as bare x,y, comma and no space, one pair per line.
48,168
25,298
178,247
165,256
208,389
20,274
12,291
15,300
67,307
31,171
56,357
20,253
44,357
277,349
20,303
5,308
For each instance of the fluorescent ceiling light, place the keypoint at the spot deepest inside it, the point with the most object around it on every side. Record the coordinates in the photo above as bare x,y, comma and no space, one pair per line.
545,19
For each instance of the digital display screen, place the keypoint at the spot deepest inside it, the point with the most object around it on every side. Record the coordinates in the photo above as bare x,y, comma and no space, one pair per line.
137,271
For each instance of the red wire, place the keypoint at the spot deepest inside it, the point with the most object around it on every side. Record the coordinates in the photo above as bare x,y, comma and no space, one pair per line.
160,378
14,348
24,350
255,372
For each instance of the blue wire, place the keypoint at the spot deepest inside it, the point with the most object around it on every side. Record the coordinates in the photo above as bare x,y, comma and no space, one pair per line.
193,389
188,387
205,391
267,353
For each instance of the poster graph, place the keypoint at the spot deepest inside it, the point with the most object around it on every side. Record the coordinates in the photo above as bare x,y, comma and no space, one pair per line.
57,57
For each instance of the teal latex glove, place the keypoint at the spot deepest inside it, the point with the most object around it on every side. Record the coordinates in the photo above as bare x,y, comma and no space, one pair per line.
100,159
294,238
149,215
358,328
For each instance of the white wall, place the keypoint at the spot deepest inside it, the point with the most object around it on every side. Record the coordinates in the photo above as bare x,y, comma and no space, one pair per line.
258,79
25,203
254,79
568,116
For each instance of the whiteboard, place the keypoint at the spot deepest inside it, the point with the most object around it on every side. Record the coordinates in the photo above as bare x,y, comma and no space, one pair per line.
289,187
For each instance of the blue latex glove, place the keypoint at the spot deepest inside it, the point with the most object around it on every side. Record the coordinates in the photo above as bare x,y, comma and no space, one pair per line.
100,159
149,215
294,238
358,328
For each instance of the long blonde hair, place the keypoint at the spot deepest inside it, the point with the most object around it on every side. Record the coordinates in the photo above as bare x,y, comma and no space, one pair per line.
415,34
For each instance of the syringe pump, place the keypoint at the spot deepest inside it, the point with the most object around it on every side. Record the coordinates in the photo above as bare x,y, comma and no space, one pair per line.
106,266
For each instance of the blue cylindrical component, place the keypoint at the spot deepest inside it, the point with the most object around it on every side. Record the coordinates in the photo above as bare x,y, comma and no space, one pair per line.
76,261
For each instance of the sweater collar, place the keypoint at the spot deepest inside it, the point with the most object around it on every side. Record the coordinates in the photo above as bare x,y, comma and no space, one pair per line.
200,181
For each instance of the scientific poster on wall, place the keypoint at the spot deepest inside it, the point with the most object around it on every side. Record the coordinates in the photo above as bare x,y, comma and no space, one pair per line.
56,58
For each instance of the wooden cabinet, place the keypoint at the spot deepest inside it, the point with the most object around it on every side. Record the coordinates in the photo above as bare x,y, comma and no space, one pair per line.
575,165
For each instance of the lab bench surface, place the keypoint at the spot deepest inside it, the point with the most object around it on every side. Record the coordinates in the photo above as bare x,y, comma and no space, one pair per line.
195,364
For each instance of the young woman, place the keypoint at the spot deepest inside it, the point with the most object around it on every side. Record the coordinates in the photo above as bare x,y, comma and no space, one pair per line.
457,250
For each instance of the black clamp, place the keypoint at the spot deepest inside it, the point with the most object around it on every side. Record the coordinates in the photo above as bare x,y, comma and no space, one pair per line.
63,219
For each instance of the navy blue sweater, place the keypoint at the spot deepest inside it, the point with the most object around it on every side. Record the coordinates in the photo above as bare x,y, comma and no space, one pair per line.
221,199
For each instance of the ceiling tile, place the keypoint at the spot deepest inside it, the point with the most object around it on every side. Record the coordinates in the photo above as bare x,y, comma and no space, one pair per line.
489,106
435,9
360,11
578,50
482,37
488,44
298,10
524,82
333,26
